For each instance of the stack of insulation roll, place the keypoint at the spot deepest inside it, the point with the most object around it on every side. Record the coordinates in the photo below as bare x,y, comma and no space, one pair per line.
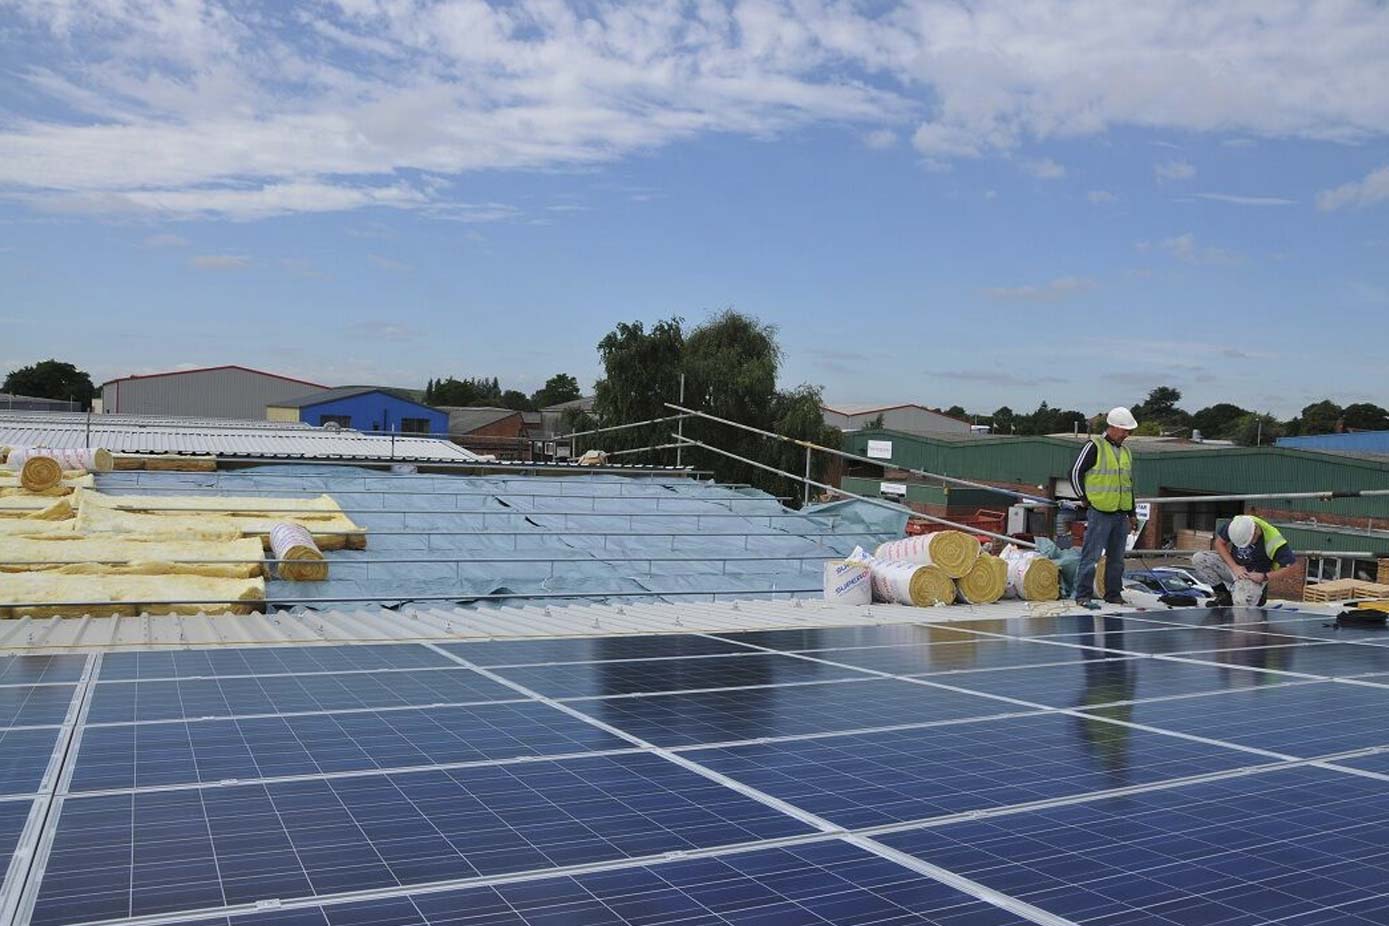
953,552
848,582
985,582
917,584
1031,576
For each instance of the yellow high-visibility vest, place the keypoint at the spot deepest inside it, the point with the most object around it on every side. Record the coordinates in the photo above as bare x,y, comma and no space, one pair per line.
1109,484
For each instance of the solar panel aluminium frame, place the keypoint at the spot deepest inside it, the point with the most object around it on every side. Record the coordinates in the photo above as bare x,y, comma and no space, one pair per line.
862,839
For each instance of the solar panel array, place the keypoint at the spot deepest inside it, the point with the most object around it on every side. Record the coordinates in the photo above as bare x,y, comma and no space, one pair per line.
1172,768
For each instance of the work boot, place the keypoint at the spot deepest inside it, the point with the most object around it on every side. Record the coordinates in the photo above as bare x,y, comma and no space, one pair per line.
1115,599
1220,597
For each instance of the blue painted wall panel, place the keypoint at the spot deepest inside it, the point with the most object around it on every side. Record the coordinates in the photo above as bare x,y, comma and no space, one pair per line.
374,411
1359,441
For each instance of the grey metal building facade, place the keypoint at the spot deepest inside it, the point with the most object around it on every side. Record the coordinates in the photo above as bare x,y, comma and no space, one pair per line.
907,418
211,392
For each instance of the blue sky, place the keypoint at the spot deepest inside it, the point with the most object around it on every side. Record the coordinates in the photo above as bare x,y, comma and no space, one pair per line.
981,203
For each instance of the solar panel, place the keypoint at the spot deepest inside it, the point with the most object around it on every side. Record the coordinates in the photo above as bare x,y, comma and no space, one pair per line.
829,882
379,784
267,661
581,680
753,713
134,854
24,758
34,705
1306,719
841,637
1288,846
590,649
981,653
126,702
1101,681
147,755
36,670
14,815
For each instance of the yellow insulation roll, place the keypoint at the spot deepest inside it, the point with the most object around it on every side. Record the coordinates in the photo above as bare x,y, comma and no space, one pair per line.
953,551
300,558
1041,580
40,594
985,581
40,473
910,583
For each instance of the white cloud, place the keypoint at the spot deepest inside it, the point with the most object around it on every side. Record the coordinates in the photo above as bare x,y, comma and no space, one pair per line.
1236,200
201,108
383,330
1101,197
388,263
990,195
1174,170
880,139
165,241
1374,188
1186,249
220,262
1054,291
1044,169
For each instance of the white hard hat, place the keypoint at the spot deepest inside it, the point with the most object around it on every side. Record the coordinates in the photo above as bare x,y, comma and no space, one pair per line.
1242,530
1120,417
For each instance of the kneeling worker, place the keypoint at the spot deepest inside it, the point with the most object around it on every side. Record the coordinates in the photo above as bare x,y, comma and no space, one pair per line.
1103,476
1246,551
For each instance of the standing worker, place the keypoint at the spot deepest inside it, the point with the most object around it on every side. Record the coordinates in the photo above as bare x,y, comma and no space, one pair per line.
1246,551
1103,476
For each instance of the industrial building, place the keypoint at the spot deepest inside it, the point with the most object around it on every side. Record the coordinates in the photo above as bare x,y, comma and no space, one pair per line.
907,418
211,392
1357,442
1040,466
366,408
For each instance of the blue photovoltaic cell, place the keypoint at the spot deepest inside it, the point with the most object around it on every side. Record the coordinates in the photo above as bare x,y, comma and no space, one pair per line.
958,657
156,851
1100,681
1027,627
590,649
1284,847
13,816
35,670
1178,640
1325,659
1272,620
146,755
34,705
271,660
829,882
125,702
723,716
599,679
844,637
1304,720
874,779
24,757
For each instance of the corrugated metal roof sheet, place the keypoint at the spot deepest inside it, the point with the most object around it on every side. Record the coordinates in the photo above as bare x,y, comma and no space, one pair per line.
217,440
143,421
383,625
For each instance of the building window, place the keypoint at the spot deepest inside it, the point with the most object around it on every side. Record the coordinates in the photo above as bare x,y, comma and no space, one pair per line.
414,425
340,420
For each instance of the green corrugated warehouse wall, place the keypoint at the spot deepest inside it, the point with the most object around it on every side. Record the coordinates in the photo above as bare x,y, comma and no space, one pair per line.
1036,461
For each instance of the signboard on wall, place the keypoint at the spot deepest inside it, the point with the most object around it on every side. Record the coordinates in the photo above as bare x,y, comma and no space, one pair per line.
893,488
880,449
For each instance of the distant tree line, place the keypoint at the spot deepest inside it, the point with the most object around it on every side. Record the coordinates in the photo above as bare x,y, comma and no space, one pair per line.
484,392
1160,414
51,379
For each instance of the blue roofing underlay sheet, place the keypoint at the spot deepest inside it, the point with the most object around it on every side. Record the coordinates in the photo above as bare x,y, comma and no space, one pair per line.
542,535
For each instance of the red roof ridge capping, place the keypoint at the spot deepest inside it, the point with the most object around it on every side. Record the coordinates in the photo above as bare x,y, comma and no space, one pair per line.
225,366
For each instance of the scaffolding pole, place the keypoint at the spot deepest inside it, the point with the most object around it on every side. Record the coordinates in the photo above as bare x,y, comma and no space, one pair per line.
891,506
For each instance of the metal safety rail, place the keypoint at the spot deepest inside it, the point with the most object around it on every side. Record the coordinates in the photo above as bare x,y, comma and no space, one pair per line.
477,512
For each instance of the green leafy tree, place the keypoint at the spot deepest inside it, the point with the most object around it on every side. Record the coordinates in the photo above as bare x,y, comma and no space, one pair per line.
1255,429
875,423
1319,418
641,372
1160,408
1004,421
518,400
956,411
1364,416
558,388
1215,421
51,379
